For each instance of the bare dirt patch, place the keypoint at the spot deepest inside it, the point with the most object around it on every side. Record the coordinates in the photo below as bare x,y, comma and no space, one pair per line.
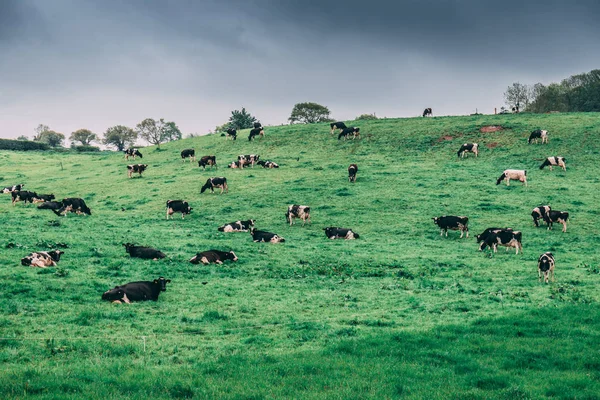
448,137
490,128
492,145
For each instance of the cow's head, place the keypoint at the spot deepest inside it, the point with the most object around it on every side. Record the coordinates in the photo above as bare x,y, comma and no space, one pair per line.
231,256
163,283
51,197
251,222
113,294
55,254
128,246
436,220
137,153
195,259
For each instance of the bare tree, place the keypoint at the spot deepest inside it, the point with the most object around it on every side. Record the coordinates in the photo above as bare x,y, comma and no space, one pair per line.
517,95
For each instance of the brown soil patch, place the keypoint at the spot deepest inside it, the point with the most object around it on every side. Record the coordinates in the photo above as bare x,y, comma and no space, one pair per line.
490,128
491,145
448,137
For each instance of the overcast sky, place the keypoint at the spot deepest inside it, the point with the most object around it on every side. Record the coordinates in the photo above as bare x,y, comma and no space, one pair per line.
93,64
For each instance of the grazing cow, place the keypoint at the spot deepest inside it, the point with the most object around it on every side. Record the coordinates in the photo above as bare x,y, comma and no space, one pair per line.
73,204
256,132
137,291
352,170
14,188
453,223
296,211
257,125
207,160
340,233
41,198
468,148
558,216
552,161
428,111
237,226
268,164
337,125
179,206
50,205
248,159
540,212
538,134
188,153
42,259
136,168
264,236
24,196
502,237
546,266
132,153
213,256
352,131
515,174
147,253
216,182
231,133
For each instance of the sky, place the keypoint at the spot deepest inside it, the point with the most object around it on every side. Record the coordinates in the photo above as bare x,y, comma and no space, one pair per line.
93,64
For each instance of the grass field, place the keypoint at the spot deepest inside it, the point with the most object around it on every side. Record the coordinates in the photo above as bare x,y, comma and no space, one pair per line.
399,313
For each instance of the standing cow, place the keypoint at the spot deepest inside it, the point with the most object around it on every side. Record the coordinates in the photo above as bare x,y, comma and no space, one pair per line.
132,153
352,170
208,160
453,223
540,212
546,266
514,174
297,211
538,134
468,148
256,132
136,169
231,133
428,111
216,182
188,153
179,206
337,125
554,161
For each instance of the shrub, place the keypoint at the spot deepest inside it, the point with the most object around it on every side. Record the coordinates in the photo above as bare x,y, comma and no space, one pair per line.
366,117
86,149
22,145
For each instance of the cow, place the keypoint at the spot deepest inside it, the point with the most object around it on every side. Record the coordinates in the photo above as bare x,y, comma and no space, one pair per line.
352,131
136,168
213,256
337,125
180,206
558,216
502,237
50,205
538,134
24,196
215,182
488,231
352,170
257,125
13,188
256,132
546,266
515,174
264,236
188,153
137,291
147,253
453,223
468,148
248,159
42,198
237,226
340,233
231,133
552,161
132,153
236,164
207,160
297,211
428,111
268,164
73,204
540,212
42,259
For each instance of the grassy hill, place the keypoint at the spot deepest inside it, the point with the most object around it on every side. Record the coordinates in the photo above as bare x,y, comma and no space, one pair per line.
399,313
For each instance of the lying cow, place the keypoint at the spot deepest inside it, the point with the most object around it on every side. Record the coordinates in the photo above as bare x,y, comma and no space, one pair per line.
24,196
42,259
297,211
352,131
137,291
501,237
514,174
132,153
246,159
453,223
337,125
231,133
558,216
236,164
554,161
538,134
13,188
136,169
468,148
540,212
428,111
50,205
188,153
264,236
340,233
352,170
256,132
237,226
216,182
207,160
268,164
42,198
213,256
546,266
147,253
180,206
73,204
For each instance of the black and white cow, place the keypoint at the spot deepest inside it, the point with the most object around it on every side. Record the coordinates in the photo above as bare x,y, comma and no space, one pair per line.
50,205
554,161
501,237
24,196
514,174
558,216
132,153
136,169
213,256
257,125
188,153
207,160
41,198
468,148
137,291
248,159
340,233
352,170
73,204
337,125
428,111
13,188
178,206
215,182
147,253
268,164
352,131
231,133
264,236
546,266
453,223
297,211
42,259
538,134
540,212
236,164
237,226
256,132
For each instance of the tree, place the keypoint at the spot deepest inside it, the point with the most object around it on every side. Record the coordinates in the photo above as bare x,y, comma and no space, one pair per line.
517,95
23,138
309,113
83,136
120,136
241,119
39,130
152,131
53,139
171,131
